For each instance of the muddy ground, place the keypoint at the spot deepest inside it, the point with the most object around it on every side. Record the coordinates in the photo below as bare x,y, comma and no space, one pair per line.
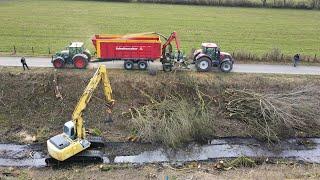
31,112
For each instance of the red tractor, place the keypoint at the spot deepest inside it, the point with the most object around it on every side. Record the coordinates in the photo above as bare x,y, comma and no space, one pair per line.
210,56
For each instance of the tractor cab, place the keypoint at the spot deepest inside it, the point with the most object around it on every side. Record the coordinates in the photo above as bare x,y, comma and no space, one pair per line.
76,48
212,50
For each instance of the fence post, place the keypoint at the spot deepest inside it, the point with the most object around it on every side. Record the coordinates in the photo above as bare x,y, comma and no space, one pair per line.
49,50
315,58
14,50
32,50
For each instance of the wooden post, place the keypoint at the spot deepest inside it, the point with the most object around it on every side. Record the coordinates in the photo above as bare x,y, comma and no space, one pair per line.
14,50
49,50
32,50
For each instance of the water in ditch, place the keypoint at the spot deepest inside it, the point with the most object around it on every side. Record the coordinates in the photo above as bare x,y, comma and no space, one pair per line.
306,149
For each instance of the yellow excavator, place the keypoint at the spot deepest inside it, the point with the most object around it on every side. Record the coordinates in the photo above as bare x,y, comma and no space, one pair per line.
72,144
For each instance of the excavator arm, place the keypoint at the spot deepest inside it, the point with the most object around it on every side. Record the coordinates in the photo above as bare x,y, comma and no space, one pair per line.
99,76
173,36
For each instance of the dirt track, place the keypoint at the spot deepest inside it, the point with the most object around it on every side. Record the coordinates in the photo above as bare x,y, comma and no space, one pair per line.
240,68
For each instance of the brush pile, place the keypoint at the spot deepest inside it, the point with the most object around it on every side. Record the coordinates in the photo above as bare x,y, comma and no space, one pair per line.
173,122
273,115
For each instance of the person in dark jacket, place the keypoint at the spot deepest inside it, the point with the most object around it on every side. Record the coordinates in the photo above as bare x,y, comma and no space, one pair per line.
296,59
24,63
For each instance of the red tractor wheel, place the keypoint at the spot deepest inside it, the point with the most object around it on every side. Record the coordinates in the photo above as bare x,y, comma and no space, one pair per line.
80,62
58,63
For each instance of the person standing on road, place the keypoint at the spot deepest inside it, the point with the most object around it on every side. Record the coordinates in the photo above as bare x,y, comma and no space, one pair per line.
24,63
296,59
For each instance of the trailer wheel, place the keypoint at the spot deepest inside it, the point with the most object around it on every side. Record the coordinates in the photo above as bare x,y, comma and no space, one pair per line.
226,66
128,65
80,62
58,63
142,65
203,64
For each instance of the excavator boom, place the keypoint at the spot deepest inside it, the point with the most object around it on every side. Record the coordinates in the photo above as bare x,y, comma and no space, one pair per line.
99,76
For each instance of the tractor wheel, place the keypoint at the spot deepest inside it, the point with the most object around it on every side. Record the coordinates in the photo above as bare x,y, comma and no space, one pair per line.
226,66
203,64
128,65
58,63
142,65
80,62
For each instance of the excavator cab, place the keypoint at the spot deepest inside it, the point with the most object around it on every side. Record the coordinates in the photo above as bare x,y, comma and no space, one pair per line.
68,129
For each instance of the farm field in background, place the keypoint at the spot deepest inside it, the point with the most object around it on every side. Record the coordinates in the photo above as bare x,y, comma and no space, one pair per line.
53,24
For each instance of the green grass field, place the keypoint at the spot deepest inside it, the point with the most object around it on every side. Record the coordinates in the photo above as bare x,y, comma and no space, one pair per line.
43,24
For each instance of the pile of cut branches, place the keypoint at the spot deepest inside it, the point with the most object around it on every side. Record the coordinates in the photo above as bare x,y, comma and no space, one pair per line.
173,121
275,115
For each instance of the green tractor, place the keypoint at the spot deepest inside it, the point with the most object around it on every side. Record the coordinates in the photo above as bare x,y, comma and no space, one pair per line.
74,54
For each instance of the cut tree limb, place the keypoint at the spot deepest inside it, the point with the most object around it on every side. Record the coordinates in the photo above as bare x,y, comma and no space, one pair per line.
57,87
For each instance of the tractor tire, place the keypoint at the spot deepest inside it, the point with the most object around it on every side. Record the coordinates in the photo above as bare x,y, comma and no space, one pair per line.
226,66
203,64
58,63
80,61
142,65
128,65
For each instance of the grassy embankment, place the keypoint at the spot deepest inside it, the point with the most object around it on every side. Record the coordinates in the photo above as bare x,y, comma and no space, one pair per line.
169,109
44,24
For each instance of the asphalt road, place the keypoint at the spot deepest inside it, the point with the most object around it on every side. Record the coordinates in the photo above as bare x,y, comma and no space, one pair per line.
240,68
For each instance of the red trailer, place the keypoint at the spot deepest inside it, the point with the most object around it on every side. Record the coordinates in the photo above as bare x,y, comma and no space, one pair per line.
133,49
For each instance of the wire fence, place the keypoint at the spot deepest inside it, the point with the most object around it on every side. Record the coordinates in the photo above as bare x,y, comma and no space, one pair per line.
274,57
27,50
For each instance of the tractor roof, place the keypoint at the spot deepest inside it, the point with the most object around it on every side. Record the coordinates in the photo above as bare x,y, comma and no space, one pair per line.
76,44
212,45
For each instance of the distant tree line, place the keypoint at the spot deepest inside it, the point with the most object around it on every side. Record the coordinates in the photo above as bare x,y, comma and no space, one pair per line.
297,4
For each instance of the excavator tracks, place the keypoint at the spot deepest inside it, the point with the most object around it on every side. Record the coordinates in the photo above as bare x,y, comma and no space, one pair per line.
85,157
96,141
88,156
